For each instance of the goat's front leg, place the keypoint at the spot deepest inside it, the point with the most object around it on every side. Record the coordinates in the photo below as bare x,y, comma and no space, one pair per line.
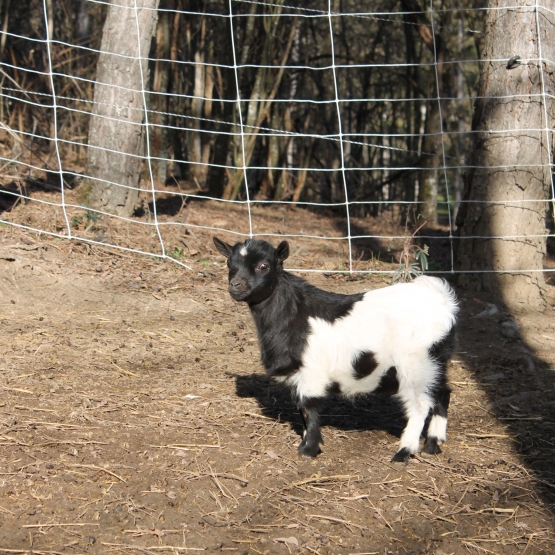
312,436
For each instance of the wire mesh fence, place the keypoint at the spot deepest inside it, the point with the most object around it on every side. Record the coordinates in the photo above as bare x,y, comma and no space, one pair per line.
354,109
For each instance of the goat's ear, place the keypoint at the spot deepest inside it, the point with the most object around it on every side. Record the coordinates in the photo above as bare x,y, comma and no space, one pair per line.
224,248
282,251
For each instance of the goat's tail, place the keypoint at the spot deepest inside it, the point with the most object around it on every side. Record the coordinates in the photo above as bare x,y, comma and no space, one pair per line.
445,290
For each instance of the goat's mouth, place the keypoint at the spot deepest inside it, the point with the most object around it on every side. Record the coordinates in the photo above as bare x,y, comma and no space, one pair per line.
239,294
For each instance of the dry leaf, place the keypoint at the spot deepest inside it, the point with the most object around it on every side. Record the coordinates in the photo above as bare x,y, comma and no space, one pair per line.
289,541
157,533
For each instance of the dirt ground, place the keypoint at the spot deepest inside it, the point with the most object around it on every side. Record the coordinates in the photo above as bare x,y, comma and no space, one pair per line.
135,416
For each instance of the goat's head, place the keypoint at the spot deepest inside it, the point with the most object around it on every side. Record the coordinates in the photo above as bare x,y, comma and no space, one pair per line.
254,268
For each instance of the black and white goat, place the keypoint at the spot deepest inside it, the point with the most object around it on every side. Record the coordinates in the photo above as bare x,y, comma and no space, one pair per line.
396,340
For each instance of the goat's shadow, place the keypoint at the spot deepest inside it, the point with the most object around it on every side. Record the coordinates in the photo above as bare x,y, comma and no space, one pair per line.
368,412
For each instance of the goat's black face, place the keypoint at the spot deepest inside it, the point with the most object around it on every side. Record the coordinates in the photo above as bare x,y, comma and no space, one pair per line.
254,268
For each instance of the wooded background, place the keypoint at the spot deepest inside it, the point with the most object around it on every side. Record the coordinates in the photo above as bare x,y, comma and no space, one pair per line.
408,107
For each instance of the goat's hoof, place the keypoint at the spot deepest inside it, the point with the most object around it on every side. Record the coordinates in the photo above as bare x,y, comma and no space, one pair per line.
431,446
403,455
308,450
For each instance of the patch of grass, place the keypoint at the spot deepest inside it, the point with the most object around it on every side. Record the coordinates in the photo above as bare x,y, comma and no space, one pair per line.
177,253
409,270
87,221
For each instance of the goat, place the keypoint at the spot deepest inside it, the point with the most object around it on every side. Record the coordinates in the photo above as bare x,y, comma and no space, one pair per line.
396,340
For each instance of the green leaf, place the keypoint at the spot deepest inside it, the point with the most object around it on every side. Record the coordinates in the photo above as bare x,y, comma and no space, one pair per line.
420,255
424,262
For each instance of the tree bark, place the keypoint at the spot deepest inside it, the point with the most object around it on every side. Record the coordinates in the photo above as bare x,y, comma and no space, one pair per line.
502,218
116,133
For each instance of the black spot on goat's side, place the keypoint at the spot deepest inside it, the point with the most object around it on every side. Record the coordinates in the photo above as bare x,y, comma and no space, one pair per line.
364,364
333,389
392,341
389,384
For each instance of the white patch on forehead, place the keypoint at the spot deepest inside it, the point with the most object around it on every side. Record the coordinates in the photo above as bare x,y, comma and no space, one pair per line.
243,250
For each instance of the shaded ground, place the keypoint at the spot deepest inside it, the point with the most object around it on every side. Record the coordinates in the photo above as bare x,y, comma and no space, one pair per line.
135,416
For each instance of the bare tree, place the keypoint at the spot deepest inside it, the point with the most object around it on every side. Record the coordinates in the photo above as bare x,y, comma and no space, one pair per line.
290,125
259,107
116,134
83,21
503,217
201,105
158,99
431,143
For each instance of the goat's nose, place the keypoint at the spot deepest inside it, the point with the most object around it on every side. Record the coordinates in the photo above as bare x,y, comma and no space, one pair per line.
234,283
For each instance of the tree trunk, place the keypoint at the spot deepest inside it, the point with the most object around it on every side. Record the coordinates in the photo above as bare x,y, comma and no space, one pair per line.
502,218
431,143
257,112
116,133
83,22
197,169
158,103
223,112
460,142
428,178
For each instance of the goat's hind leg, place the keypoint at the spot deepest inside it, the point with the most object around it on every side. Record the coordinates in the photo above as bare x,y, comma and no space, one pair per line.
312,436
437,428
415,396
417,407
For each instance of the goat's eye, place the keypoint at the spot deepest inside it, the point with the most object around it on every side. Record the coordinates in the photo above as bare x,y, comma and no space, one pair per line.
264,268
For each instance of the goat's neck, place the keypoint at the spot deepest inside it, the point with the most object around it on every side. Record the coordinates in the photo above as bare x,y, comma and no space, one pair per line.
279,308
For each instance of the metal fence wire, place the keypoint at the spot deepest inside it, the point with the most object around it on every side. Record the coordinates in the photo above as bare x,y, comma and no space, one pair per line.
325,105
